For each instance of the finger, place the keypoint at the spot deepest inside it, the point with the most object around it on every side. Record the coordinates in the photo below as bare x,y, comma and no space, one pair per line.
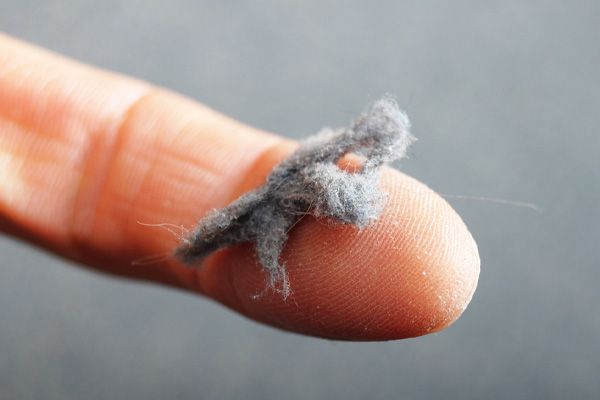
89,155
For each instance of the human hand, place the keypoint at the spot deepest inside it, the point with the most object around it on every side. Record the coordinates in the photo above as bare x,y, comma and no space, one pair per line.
86,155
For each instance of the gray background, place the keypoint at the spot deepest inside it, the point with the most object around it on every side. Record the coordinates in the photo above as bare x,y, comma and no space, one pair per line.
504,99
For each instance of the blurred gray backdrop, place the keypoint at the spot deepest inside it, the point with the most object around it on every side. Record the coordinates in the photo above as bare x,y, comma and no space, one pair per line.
504,98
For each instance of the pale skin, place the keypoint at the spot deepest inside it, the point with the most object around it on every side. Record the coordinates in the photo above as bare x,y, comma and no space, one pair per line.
88,157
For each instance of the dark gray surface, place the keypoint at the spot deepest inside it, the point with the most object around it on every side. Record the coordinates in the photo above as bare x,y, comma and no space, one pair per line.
504,100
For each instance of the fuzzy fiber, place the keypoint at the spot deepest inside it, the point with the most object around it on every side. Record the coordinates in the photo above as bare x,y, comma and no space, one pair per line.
309,181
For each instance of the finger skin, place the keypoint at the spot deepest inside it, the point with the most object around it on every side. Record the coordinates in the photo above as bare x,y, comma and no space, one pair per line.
87,156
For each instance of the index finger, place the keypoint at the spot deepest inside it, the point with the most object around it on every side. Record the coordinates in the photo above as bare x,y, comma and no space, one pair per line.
87,155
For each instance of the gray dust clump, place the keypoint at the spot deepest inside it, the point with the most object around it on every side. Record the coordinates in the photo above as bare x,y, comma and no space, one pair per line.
309,181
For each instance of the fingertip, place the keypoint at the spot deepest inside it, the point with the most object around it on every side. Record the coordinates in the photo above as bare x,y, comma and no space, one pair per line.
412,272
